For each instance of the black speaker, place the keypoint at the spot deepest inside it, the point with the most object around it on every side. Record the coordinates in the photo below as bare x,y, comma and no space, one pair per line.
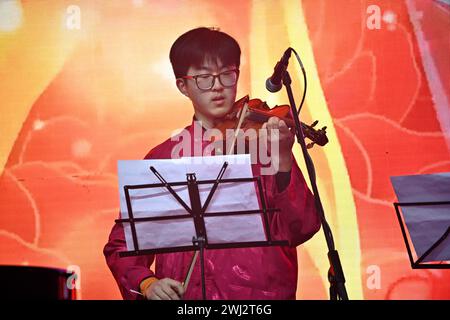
35,283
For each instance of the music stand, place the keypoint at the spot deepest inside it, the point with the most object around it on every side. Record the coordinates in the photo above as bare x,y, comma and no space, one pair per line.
198,213
424,201
419,263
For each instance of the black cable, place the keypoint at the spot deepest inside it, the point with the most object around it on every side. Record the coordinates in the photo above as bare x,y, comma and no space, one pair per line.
325,225
304,79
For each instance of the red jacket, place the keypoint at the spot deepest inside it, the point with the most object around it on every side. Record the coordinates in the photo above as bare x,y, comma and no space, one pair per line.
244,273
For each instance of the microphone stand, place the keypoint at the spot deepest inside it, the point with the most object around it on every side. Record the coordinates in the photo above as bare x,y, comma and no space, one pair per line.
335,273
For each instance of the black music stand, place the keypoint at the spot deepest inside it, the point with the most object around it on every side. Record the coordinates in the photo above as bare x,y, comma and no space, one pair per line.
424,200
419,263
197,212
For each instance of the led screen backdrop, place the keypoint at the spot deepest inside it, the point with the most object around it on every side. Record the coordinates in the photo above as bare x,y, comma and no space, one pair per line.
86,83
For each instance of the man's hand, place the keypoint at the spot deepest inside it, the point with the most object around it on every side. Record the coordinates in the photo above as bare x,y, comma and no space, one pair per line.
285,140
165,289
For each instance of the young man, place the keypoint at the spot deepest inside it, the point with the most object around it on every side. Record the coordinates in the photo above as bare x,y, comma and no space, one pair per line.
206,66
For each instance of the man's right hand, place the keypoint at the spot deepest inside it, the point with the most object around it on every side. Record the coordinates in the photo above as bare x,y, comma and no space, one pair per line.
165,289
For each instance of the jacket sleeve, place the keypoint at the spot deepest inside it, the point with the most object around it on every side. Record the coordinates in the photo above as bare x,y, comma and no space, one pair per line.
127,271
297,221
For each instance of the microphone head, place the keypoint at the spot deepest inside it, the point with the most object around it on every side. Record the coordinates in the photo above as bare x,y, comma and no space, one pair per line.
273,87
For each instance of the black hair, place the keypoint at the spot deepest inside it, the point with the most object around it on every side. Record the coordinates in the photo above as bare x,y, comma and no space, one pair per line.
197,45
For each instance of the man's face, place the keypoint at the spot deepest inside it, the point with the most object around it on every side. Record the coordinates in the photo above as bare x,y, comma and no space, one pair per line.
212,104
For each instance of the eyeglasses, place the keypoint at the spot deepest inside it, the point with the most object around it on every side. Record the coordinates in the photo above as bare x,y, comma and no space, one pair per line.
206,81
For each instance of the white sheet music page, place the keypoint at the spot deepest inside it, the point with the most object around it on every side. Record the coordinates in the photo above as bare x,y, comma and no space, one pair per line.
159,202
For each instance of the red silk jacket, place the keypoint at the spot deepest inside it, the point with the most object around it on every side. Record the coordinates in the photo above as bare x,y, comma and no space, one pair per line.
243,273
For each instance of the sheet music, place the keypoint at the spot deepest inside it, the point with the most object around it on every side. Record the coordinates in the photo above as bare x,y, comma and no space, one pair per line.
426,224
154,202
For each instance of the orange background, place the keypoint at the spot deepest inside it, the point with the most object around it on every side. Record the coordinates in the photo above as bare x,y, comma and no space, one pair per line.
75,100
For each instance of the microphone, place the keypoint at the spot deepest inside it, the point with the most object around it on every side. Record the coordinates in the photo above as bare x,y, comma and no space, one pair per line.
273,84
